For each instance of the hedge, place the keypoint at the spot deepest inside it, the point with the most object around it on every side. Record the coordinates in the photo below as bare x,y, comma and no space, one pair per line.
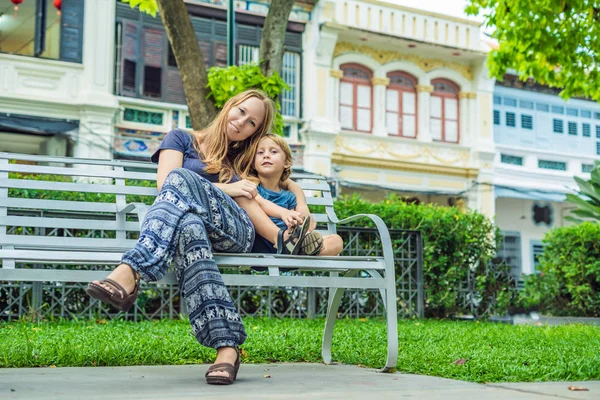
568,282
456,244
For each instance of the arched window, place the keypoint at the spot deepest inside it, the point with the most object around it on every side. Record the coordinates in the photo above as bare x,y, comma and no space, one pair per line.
401,105
356,98
444,111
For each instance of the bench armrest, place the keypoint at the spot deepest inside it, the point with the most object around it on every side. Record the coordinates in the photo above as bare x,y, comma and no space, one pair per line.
384,234
140,209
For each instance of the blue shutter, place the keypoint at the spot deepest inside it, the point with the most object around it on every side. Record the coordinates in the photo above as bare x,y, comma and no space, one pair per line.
39,39
129,79
71,30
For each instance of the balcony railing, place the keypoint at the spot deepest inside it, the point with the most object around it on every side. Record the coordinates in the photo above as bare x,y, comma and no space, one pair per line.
408,23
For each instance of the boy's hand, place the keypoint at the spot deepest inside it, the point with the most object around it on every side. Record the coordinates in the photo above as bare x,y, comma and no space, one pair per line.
305,212
291,217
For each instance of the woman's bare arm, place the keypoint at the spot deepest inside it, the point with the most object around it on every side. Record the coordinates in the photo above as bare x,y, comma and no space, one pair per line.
168,161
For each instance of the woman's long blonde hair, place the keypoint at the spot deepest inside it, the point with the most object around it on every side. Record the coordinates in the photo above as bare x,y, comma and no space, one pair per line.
230,158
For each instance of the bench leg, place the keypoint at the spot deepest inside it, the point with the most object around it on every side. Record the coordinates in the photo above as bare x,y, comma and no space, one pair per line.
388,296
335,298
392,327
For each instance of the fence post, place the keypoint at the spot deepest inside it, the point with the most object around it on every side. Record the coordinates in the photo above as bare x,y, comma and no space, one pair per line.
420,290
311,303
36,298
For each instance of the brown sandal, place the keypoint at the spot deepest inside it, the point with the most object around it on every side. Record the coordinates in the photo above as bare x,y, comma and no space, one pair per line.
118,298
232,371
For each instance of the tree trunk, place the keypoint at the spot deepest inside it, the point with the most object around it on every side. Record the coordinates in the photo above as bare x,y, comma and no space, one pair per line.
272,43
177,23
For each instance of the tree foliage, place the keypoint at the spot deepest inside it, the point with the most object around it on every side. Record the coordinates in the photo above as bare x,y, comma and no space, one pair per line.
588,200
146,6
555,42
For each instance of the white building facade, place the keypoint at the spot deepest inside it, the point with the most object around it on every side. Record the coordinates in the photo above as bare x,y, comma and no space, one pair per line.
56,80
542,142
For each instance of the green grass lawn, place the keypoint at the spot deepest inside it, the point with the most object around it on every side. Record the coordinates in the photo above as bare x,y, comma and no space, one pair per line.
493,352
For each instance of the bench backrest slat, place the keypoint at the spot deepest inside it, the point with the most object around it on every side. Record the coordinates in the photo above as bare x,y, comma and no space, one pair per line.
58,205
82,172
76,187
67,242
70,223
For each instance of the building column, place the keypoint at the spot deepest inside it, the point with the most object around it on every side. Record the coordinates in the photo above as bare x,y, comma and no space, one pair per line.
379,105
324,126
96,134
464,117
100,105
423,99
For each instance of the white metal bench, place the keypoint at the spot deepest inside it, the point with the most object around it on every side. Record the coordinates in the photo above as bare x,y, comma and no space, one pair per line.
123,218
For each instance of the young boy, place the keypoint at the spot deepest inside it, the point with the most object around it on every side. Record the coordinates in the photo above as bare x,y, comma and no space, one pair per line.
272,165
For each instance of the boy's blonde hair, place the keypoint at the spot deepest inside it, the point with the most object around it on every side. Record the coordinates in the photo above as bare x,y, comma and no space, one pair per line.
282,143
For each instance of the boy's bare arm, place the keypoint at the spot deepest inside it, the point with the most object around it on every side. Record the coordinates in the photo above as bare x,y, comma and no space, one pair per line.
290,217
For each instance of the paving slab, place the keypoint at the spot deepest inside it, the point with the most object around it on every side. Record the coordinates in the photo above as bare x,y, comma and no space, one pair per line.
262,381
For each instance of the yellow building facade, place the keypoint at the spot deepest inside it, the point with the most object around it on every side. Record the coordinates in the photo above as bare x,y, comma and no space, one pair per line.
398,100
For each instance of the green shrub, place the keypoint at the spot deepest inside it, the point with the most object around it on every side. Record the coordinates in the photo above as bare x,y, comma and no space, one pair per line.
454,244
569,278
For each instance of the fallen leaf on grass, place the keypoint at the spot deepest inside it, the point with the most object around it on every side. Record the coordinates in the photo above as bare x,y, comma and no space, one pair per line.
578,389
460,361
244,354
267,376
101,321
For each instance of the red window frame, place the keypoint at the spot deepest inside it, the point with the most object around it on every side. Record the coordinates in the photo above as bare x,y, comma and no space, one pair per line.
356,82
446,89
400,88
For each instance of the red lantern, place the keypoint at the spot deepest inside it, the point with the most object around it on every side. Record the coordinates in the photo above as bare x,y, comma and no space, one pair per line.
16,3
57,5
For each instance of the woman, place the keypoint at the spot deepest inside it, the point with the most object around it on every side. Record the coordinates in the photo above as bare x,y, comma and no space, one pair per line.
204,203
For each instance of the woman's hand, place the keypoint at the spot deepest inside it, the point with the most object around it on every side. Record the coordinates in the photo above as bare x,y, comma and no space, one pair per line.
291,217
243,188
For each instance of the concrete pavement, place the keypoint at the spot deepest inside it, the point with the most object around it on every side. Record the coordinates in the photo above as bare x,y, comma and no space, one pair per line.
264,381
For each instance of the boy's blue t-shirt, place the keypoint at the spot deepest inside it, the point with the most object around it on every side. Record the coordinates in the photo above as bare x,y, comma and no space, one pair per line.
283,198
182,141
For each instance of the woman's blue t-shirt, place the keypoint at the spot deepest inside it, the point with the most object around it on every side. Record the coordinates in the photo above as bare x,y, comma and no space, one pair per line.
183,142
